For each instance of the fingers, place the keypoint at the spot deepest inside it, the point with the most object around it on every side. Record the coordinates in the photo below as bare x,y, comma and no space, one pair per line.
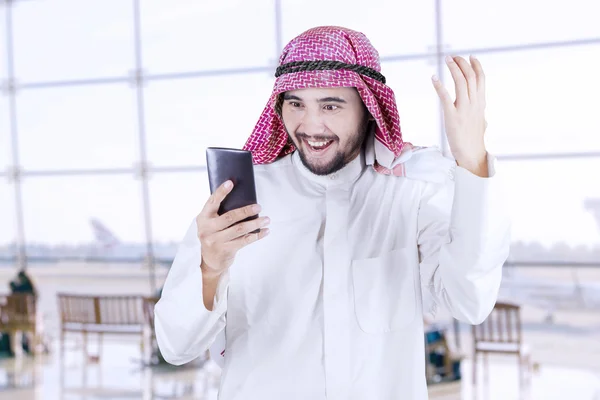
229,218
469,79
480,78
211,207
460,82
247,239
230,240
469,75
242,229
221,236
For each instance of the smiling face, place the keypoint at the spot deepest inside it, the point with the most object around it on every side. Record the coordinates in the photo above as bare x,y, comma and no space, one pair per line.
327,125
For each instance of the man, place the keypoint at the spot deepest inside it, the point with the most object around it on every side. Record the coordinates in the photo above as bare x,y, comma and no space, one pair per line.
22,284
326,302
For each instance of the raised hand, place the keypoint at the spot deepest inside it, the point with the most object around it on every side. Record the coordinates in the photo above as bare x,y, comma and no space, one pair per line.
464,119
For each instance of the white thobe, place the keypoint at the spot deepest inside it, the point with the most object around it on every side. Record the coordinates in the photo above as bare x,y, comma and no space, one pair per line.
330,304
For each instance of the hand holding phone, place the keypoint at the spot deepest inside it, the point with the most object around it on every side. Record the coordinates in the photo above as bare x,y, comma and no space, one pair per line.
229,220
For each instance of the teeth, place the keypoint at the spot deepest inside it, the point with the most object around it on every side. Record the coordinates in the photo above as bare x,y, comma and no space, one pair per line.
317,144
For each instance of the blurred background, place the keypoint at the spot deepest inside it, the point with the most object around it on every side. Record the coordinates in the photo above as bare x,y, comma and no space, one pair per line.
107,107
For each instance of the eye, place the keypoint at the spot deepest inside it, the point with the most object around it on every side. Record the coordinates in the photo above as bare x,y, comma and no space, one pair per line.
330,107
295,104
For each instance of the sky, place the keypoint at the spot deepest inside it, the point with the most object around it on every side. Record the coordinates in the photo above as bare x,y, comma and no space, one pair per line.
538,101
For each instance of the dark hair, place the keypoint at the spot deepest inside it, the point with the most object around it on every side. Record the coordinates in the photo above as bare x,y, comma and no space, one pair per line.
279,104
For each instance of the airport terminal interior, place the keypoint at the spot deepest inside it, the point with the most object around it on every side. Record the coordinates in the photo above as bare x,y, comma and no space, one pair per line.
107,108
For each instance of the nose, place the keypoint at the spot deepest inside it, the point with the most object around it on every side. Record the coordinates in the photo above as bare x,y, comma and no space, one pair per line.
312,124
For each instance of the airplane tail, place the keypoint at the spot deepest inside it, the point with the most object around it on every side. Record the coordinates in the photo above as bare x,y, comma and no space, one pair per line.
103,235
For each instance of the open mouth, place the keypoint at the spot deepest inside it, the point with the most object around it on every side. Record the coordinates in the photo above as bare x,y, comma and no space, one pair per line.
318,146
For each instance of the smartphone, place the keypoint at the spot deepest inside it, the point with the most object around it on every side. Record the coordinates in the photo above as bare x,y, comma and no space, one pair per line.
224,164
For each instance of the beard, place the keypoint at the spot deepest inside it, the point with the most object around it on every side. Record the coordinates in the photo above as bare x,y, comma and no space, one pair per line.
341,157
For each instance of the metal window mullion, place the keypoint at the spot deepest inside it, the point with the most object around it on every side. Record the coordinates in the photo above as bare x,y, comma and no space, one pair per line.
12,109
139,88
278,31
440,64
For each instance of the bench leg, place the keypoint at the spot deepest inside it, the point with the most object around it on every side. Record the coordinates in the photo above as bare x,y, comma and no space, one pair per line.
143,347
486,369
147,347
100,343
62,359
61,344
474,380
85,347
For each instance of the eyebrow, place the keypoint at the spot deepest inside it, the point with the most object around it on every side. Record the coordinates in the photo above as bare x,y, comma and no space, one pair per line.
322,100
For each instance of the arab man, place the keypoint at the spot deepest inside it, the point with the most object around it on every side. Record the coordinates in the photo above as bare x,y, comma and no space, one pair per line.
357,226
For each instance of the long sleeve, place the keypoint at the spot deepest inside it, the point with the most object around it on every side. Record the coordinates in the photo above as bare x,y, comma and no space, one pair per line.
185,329
464,240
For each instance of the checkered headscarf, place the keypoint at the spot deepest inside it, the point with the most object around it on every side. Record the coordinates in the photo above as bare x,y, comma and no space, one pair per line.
329,57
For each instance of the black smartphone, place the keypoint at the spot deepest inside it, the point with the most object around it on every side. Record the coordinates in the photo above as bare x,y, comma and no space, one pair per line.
224,164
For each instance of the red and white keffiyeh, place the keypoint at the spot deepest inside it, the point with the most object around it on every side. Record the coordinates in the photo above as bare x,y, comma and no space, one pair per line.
330,56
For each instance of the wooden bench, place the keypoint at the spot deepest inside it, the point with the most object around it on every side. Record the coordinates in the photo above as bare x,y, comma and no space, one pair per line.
105,314
154,353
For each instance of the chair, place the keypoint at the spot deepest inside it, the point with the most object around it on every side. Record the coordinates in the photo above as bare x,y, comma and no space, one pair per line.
18,313
500,333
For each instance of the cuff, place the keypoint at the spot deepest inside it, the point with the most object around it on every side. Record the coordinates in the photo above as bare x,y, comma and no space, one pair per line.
479,208
491,164
220,300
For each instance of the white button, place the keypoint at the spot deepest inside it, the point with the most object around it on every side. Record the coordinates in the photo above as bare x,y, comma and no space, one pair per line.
333,176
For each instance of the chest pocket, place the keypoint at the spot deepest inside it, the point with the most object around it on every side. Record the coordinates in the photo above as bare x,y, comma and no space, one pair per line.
384,291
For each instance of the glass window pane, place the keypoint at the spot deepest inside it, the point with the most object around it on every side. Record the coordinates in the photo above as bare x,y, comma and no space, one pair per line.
537,102
5,140
185,35
551,206
515,22
392,27
75,127
8,228
417,100
175,200
72,39
3,71
84,216
186,116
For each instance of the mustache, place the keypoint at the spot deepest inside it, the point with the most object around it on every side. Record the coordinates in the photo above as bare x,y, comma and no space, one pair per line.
316,138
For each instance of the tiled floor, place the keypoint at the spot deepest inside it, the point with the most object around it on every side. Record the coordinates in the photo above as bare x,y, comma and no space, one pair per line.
548,383
568,353
119,375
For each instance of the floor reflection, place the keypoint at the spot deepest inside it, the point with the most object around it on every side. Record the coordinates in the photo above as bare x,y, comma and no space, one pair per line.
120,374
